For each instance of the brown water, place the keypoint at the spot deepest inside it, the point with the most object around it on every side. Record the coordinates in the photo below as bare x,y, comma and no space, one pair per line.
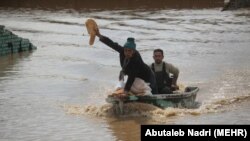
57,92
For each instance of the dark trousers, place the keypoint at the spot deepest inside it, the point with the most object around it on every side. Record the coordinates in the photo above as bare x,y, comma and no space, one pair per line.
165,90
153,84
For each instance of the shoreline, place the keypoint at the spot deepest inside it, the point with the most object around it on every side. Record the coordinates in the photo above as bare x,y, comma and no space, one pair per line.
112,4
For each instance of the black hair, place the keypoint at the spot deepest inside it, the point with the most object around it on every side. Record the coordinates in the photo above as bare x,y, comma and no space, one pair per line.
159,50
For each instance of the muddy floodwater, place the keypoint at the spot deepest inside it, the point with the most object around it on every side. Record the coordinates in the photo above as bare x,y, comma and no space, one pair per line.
58,91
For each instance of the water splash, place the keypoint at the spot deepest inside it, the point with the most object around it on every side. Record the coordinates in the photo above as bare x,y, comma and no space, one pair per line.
225,97
222,104
152,112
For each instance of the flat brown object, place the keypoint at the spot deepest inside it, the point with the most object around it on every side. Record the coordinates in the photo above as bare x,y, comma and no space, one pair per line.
91,27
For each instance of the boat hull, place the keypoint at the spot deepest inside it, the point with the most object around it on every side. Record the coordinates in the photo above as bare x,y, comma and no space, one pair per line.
178,99
184,99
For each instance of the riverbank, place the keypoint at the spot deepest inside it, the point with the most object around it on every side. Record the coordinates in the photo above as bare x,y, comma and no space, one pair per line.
112,4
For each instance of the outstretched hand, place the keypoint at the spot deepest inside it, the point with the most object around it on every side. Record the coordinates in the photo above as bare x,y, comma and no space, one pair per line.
120,93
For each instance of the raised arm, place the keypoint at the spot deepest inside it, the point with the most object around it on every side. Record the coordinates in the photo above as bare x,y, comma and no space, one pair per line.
109,42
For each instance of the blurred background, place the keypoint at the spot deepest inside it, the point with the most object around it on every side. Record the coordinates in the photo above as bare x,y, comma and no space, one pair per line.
58,91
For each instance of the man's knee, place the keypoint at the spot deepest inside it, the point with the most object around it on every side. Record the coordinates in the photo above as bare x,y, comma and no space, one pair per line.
166,90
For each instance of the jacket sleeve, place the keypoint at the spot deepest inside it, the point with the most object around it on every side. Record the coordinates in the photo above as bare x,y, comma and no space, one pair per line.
129,83
174,70
111,44
135,67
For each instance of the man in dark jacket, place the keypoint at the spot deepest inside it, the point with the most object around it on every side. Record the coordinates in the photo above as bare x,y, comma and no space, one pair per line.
131,63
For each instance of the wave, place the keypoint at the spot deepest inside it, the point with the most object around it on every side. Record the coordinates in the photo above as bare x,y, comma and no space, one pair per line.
152,112
61,22
41,31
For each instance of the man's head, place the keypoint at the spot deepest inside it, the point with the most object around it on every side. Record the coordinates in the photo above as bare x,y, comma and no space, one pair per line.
129,47
158,56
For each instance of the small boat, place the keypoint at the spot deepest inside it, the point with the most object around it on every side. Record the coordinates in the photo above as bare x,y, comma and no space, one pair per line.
178,99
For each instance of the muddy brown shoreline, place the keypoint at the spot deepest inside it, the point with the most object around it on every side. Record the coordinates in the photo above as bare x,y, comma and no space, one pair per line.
112,4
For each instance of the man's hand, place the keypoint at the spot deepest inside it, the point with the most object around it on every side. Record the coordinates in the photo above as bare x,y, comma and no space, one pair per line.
119,91
174,87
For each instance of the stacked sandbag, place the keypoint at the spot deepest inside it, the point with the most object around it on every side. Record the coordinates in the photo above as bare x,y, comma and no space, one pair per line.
11,43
